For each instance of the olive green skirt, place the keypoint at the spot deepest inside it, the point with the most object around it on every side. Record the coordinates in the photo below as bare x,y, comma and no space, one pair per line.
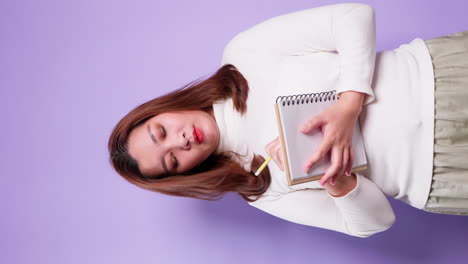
449,187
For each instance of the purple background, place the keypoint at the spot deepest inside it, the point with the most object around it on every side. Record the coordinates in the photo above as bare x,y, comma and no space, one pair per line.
70,71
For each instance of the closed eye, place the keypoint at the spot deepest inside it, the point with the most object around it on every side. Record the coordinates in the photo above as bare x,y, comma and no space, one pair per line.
176,163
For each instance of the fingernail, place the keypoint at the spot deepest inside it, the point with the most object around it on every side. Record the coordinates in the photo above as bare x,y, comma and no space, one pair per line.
347,173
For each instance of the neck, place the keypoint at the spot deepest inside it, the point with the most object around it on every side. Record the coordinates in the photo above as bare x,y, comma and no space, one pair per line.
211,112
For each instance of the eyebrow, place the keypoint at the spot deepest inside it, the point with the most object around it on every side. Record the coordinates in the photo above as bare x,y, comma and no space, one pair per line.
163,162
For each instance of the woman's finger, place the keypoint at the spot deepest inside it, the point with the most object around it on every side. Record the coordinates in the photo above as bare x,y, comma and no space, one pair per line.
268,148
320,153
278,155
311,124
351,160
345,161
273,149
335,168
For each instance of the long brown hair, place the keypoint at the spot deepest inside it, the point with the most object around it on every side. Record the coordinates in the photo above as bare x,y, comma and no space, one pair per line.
215,176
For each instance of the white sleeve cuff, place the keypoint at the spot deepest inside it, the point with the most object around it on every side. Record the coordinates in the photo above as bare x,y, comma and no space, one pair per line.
358,86
350,193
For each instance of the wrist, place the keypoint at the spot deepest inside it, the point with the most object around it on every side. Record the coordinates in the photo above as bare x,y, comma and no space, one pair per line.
353,100
343,185
353,96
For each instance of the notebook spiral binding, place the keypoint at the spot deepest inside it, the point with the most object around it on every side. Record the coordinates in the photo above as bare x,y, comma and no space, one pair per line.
305,98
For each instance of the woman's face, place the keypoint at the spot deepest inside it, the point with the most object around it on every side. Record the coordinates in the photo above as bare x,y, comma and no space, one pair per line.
174,142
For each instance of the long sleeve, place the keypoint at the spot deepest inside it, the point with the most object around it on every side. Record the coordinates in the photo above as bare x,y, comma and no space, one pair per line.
348,29
362,212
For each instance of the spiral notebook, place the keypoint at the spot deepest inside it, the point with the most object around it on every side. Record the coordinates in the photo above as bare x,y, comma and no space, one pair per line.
291,112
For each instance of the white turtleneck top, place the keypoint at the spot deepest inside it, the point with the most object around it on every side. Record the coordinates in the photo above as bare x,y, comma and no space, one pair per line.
333,48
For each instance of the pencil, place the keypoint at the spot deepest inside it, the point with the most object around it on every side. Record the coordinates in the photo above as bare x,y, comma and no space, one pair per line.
265,163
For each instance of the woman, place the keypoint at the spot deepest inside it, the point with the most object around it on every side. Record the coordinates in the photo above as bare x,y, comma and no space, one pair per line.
209,137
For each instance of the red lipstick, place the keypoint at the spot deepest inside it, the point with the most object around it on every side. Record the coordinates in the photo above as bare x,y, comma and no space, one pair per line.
197,134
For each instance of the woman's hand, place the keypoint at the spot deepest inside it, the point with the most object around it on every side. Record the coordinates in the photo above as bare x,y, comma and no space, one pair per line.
342,186
274,150
337,123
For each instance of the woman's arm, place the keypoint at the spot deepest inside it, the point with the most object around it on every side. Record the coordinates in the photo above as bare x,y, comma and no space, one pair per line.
348,29
353,205
361,212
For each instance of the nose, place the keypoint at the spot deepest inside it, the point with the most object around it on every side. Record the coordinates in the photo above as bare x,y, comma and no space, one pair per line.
178,141
184,142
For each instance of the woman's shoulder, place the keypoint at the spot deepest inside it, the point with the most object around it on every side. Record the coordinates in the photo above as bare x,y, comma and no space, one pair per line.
236,49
